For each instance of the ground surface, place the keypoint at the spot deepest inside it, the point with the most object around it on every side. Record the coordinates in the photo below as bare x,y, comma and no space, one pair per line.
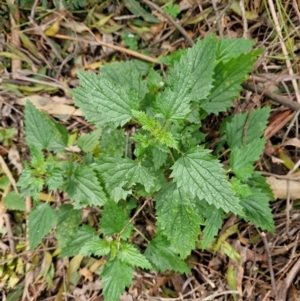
40,48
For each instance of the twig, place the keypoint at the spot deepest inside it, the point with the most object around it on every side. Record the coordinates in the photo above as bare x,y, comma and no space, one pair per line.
288,281
12,247
134,216
213,296
218,18
245,24
264,239
171,20
284,50
279,99
112,46
33,23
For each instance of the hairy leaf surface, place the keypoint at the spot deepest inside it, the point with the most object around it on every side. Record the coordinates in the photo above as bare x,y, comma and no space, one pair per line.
178,218
83,187
201,174
190,79
41,220
112,102
163,256
116,276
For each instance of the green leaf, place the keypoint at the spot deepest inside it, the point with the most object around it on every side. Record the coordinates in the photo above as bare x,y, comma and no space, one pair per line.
159,157
126,74
41,220
246,127
190,79
114,219
227,82
13,201
163,257
37,157
113,142
54,178
112,102
154,127
116,276
80,237
213,223
201,174
29,184
172,9
68,220
134,7
231,48
178,218
83,187
242,158
40,130
240,189
258,181
98,247
123,172
257,210
88,142
130,255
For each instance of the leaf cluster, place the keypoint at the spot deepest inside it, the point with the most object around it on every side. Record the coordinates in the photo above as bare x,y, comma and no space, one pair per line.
165,160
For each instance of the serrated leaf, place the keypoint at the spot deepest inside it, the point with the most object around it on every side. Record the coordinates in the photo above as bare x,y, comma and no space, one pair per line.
201,174
130,255
68,220
257,210
190,79
41,220
83,187
80,237
13,201
87,142
114,219
112,102
240,189
156,130
123,172
228,78
126,74
113,142
54,179
37,157
29,184
40,130
242,158
163,257
259,182
98,247
159,157
116,276
178,218
213,223
231,48
246,127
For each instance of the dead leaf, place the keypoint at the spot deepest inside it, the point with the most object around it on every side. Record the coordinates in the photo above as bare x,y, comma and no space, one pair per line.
280,188
48,105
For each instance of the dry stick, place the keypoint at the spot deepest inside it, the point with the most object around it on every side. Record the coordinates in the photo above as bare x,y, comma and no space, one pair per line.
171,20
288,281
14,18
284,50
218,17
279,99
112,46
33,23
245,24
296,8
263,236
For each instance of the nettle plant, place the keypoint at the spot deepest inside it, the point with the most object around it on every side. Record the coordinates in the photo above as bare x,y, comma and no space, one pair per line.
148,149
